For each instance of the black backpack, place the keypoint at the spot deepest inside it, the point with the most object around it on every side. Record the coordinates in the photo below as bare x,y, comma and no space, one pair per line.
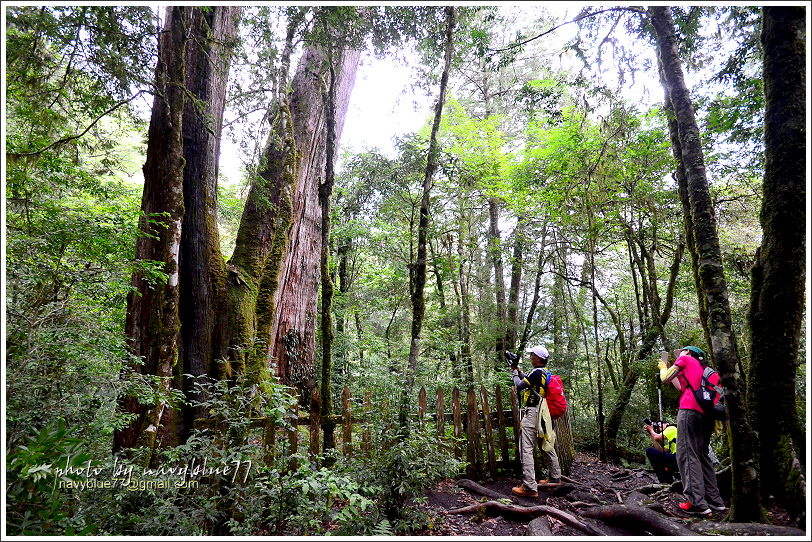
706,394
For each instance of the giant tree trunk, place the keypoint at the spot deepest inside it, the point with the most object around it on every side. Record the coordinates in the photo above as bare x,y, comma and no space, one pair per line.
153,323
292,332
778,297
196,285
746,501
202,266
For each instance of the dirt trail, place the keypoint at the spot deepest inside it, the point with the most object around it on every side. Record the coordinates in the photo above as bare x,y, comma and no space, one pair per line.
596,483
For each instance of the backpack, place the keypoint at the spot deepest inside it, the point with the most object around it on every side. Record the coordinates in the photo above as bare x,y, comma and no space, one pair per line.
706,396
554,389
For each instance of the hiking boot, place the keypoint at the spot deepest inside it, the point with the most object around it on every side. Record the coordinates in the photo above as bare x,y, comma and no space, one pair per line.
524,491
717,507
550,482
695,510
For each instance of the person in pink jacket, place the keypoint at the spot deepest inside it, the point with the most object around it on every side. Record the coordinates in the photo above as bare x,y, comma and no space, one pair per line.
694,428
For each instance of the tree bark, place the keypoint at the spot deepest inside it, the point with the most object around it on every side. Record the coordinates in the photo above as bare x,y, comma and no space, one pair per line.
202,266
153,323
746,501
327,334
777,296
292,330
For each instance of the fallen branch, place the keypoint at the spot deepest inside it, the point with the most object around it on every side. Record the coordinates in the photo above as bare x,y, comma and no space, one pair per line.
637,517
498,509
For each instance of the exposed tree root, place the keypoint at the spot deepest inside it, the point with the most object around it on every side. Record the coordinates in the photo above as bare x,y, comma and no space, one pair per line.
470,485
496,508
638,518
744,529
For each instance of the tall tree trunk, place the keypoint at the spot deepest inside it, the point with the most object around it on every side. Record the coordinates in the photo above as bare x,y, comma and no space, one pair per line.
153,322
327,334
652,333
531,309
746,499
516,264
417,270
293,301
495,251
778,298
202,266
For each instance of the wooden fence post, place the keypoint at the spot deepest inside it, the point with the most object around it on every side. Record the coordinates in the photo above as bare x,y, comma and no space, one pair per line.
346,409
269,441
500,416
293,438
315,423
421,409
473,448
457,410
439,409
486,418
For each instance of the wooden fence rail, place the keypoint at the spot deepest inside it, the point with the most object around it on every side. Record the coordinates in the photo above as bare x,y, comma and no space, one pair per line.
476,432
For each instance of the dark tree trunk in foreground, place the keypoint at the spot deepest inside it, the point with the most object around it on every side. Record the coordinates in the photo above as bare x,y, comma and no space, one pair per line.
327,334
417,269
202,266
746,499
778,297
181,180
292,334
152,308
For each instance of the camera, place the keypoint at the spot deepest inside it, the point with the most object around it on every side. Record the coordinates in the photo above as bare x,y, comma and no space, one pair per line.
657,426
511,359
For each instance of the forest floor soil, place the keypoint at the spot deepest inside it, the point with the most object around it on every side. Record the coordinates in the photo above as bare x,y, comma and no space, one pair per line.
608,484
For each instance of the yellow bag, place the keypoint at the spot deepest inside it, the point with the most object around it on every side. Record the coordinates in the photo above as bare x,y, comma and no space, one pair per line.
544,428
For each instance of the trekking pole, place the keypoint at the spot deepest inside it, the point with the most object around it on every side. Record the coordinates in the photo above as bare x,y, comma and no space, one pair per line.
664,357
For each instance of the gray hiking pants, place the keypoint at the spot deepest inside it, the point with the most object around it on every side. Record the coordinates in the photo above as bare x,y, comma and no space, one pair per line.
526,444
698,477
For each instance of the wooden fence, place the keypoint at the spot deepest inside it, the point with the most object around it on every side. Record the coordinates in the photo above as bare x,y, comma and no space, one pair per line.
480,428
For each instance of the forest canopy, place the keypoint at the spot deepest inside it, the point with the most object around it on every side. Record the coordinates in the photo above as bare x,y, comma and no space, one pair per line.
227,238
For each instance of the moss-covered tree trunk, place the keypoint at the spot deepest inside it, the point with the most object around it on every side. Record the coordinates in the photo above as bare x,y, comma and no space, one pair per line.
293,306
777,296
202,269
746,499
327,334
153,323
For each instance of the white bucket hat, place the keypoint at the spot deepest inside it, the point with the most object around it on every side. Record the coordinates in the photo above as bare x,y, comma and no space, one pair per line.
540,351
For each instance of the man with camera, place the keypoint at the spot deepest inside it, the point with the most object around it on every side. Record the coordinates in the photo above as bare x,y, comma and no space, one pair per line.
663,453
531,388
